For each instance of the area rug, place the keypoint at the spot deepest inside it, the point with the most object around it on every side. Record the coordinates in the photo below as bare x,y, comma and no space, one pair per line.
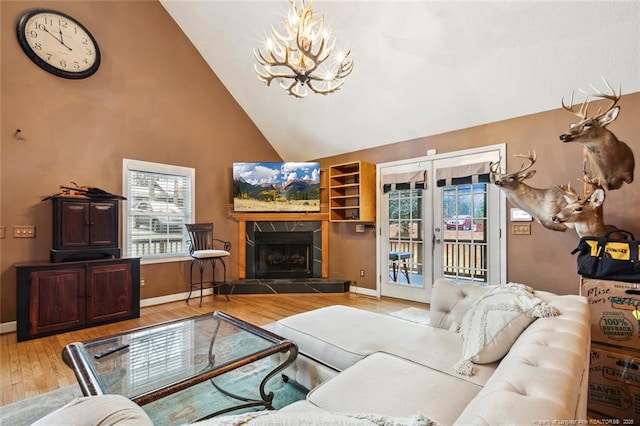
178,409
417,315
201,400
27,411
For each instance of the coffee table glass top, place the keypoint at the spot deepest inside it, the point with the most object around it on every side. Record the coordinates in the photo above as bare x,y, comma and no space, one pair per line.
165,358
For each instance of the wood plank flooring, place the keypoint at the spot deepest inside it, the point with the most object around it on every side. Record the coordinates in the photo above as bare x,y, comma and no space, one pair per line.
33,367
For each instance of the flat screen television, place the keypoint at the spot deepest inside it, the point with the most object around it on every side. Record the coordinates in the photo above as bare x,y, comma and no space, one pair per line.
276,187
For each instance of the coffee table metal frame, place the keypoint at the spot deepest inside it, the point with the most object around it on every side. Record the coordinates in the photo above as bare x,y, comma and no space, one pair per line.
83,364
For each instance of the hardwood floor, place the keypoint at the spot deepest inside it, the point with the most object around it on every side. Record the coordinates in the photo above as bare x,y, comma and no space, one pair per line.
33,367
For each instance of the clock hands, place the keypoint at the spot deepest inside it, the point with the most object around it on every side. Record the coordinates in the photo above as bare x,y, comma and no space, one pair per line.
58,39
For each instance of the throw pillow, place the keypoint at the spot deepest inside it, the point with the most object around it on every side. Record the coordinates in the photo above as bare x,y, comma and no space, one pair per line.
494,322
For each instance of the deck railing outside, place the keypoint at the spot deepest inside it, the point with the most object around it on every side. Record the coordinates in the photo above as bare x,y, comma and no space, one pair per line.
460,259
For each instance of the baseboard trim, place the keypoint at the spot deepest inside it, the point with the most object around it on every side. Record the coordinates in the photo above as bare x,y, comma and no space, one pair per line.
364,291
11,327
172,298
8,327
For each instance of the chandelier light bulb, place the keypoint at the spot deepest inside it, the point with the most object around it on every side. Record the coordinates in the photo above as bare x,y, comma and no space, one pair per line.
296,58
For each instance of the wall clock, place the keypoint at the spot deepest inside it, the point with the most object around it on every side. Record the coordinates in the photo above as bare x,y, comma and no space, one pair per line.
58,43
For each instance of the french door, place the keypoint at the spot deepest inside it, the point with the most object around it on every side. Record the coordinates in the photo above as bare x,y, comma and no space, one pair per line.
438,217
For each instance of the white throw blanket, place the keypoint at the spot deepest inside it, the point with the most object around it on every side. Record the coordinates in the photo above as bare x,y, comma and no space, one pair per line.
494,322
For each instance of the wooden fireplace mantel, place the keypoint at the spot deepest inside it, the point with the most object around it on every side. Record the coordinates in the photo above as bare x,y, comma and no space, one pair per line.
243,217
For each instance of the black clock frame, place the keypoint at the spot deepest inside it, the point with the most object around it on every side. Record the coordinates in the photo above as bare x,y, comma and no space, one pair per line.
24,44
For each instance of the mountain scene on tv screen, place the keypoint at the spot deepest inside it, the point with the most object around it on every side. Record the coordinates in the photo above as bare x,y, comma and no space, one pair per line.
276,187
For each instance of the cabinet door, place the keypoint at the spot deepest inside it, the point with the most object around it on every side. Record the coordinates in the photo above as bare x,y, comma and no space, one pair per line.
74,224
104,224
56,300
109,293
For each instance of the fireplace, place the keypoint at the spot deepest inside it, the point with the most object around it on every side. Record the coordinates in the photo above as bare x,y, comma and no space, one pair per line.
284,250
283,254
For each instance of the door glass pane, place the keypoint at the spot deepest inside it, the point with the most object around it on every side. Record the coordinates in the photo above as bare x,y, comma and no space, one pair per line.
405,237
464,209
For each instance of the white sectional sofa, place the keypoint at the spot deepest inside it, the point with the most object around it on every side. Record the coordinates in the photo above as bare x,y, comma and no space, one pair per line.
370,368
393,367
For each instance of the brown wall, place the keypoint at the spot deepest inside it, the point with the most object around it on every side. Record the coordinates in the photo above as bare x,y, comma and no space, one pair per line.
543,259
154,99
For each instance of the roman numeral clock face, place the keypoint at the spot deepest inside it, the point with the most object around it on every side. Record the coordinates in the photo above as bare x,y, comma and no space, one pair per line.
58,43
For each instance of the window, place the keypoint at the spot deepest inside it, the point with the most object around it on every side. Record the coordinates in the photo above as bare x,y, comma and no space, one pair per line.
405,235
160,200
465,239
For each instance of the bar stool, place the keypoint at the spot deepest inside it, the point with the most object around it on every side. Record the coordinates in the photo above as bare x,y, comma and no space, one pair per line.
202,251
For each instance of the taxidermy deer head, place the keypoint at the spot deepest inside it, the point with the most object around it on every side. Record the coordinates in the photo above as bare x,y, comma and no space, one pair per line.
542,204
609,161
586,213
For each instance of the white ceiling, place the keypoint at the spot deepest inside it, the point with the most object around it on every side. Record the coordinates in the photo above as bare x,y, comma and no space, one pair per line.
421,67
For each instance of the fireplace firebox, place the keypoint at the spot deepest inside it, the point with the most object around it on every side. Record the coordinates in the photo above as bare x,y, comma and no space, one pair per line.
283,254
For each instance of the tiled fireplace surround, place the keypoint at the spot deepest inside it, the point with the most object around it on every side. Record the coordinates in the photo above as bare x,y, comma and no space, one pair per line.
319,281
282,230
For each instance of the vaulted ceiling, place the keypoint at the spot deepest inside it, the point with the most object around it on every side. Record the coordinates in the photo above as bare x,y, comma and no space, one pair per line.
421,67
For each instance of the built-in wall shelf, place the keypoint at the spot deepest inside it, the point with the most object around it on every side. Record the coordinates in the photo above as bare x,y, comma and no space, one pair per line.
352,192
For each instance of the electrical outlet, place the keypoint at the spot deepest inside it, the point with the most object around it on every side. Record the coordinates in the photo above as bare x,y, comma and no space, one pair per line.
24,231
362,272
521,229
142,282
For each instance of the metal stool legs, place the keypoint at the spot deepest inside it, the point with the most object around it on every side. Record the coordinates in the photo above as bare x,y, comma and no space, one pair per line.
202,264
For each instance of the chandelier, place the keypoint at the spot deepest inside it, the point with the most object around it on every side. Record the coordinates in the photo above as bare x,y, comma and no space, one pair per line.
303,57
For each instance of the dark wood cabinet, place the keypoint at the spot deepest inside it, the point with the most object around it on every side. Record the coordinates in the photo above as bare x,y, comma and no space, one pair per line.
57,297
84,229
109,292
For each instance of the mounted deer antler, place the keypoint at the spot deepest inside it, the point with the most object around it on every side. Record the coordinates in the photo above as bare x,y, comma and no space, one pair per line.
542,204
586,214
608,160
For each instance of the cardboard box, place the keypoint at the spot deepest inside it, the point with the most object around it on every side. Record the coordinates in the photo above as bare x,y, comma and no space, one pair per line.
612,313
614,386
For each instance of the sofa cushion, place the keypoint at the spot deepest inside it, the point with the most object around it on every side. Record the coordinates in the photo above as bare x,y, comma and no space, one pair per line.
315,418
494,322
544,375
341,336
451,300
387,384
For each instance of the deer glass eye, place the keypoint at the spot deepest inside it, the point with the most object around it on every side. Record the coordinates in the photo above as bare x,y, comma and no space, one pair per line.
578,209
588,124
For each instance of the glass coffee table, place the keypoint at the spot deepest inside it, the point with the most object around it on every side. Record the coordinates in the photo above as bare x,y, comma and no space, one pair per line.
153,362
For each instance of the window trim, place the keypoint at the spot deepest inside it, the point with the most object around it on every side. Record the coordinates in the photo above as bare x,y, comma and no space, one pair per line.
147,166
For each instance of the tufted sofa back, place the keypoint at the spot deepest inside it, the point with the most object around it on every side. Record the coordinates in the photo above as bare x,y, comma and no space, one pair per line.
450,302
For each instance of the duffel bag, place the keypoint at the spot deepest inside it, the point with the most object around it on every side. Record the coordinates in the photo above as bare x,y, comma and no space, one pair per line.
609,259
